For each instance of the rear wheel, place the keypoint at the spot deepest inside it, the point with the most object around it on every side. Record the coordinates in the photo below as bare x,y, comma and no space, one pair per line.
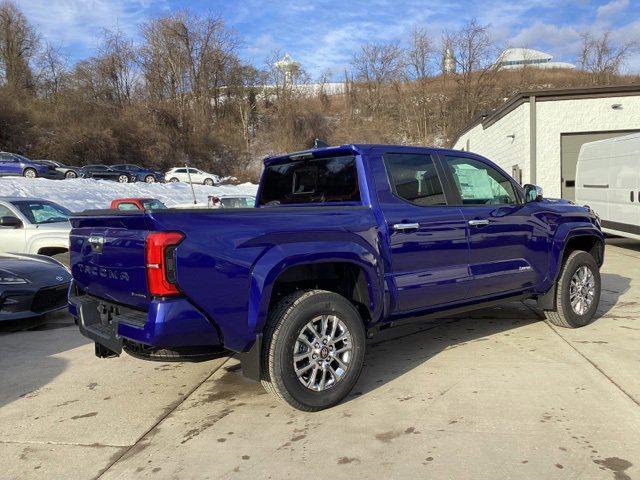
149,179
313,350
71,174
577,292
30,173
123,179
208,181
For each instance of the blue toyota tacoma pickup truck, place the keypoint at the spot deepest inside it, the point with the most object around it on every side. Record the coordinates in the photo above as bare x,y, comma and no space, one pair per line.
343,241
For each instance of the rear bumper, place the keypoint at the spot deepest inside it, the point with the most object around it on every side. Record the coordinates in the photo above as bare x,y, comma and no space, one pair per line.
169,324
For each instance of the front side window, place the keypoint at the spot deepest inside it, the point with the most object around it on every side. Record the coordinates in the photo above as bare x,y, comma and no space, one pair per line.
479,183
414,178
42,212
321,180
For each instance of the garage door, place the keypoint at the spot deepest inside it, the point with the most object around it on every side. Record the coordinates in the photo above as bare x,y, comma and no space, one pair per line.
570,145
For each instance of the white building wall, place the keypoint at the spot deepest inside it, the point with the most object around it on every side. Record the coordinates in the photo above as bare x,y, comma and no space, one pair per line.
573,116
495,143
553,119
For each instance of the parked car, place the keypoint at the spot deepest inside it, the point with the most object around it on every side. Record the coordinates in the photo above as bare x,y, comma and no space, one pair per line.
12,164
142,174
231,201
137,204
344,241
180,174
33,225
608,180
31,286
103,172
65,170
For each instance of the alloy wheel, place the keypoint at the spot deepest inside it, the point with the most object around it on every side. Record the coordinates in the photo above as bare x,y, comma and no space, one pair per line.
322,353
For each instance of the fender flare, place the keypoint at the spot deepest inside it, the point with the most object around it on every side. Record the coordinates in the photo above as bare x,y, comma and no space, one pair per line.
563,235
279,258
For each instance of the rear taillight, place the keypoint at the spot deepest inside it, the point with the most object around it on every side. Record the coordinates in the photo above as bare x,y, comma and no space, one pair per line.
161,262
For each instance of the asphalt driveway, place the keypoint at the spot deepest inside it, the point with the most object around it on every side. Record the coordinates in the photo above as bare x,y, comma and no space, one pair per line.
494,394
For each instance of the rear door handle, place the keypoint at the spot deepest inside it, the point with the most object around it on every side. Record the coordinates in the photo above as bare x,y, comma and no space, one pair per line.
403,227
478,223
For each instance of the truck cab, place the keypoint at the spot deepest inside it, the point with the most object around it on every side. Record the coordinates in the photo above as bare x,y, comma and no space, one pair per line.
343,241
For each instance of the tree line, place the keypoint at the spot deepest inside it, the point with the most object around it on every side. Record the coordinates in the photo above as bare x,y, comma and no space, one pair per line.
182,93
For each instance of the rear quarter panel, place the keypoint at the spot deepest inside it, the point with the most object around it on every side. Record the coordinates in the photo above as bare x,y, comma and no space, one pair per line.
230,258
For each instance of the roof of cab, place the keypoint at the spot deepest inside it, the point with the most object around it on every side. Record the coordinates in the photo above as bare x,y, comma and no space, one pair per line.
348,149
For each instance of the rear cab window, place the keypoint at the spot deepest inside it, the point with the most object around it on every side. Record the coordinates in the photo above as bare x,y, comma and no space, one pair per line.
315,180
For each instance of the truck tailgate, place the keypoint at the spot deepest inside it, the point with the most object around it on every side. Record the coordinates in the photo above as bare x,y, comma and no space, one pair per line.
108,257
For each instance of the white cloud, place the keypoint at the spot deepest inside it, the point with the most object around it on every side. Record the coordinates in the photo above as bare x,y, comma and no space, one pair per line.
561,41
611,9
77,24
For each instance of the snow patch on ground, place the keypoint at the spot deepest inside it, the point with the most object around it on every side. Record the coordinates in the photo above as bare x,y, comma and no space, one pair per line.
84,193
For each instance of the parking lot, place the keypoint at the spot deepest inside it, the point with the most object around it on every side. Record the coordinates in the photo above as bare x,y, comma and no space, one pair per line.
494,394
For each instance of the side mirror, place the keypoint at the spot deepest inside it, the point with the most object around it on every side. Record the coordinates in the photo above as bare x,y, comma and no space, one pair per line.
10,222
532,193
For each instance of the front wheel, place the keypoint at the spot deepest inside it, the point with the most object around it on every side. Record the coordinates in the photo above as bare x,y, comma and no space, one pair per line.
174,180
71,174
30,173
313,349
149,179
577,292
208,181
123,179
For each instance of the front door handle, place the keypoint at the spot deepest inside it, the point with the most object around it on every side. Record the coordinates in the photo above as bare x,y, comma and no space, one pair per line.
478,223
403,227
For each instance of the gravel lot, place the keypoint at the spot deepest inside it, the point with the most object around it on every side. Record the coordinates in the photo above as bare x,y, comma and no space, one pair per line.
495,394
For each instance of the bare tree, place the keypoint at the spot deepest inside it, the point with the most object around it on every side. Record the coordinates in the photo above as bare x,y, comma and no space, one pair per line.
52,72
117,66
474,54
601,58
377,66
18,45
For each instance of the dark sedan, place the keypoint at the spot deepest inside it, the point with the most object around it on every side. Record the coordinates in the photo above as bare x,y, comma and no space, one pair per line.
31,286
103,172
142,174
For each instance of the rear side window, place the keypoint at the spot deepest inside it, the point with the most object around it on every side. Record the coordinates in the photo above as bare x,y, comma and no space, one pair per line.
322,180
127,206
414,178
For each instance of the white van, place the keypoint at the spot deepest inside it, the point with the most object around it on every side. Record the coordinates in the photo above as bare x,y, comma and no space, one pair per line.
608,180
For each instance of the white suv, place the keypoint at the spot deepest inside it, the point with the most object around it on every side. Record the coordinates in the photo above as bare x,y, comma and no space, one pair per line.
180,174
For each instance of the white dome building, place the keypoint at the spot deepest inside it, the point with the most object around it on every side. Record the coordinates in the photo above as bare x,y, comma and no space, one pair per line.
513,58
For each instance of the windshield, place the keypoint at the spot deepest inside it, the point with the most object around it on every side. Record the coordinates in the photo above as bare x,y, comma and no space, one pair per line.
153,205
39,212
321,180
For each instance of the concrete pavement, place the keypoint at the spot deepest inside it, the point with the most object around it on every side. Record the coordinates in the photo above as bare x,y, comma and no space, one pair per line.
493,394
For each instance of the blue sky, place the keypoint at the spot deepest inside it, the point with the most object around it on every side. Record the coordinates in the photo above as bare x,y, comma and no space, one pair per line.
323,35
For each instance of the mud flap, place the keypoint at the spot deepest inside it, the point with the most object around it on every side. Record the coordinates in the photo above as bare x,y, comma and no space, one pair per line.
251,360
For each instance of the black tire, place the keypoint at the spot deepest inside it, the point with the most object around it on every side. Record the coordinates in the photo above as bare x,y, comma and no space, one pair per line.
70,174
564,315
285,323
174,180
150,179
123,179
30,173
208,181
